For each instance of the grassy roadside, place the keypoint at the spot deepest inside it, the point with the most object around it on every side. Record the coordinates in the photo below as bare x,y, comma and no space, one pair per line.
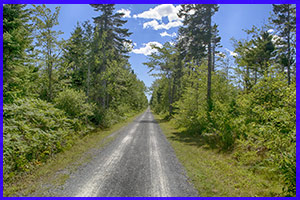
56,171
215,174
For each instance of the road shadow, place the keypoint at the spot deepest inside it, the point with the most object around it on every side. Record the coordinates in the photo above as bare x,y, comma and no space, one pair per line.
148,121
188,138
206,141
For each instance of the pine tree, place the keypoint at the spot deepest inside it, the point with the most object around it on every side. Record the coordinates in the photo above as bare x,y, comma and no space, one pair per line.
196,36
48,43
17,40
113,38
166,61
284,19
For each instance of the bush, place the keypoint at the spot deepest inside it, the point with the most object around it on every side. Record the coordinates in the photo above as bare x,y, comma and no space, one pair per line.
33,130
288,169
268,121
74,103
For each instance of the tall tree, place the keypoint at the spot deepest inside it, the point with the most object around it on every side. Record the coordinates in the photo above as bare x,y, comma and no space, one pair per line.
48,43
108,28
196,36
76,56
284,19
254,56
16,43
166,61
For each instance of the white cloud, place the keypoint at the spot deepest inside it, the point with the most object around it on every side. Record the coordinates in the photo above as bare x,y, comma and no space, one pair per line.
147,49
156,26
160,11
157,13
231,52
164,34
125,11
270,30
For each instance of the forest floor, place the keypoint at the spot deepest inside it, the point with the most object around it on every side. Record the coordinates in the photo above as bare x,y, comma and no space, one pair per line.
215,173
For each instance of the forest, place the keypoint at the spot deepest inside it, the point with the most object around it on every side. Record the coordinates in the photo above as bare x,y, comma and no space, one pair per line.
245,107
56,91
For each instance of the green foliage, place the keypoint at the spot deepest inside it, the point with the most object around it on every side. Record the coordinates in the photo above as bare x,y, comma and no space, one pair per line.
74,103
17,72
283,20
267,123
85,80
288,169
33,130
47,42
249,110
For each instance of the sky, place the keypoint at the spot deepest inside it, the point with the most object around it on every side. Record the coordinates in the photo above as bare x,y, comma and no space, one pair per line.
158,23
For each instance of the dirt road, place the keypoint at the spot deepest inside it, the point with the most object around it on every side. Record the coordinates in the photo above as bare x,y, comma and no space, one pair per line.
139,162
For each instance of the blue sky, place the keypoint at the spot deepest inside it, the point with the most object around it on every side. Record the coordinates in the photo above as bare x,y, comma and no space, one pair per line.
158,23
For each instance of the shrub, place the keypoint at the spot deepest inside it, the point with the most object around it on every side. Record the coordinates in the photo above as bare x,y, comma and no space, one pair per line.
74,103
268,115
33,130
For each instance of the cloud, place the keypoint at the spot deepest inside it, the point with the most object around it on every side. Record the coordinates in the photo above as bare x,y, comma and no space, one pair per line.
156,26
157,13
164,34
270,30
160,11
147,49
125,11
231,52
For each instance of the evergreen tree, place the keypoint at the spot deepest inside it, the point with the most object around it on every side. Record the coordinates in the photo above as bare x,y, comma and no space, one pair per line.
196,36
254,56
48,43
17,70
284,19
165,60
76,50
113,38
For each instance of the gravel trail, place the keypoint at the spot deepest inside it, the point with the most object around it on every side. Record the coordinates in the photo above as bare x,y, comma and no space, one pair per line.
139,162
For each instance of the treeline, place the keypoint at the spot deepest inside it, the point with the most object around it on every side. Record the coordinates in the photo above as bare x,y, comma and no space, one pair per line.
248,108
55,90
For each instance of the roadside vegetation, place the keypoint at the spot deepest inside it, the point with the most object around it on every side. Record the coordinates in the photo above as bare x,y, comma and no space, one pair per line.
52,174
240,107
56,91
214,173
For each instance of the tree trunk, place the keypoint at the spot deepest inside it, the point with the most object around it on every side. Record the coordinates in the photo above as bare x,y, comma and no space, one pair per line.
209,101
213,54
289,50
88,81
173,95
170,95
49,63
255,77
247,79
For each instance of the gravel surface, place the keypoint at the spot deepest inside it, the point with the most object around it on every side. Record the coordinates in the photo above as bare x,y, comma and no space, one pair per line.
139,162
